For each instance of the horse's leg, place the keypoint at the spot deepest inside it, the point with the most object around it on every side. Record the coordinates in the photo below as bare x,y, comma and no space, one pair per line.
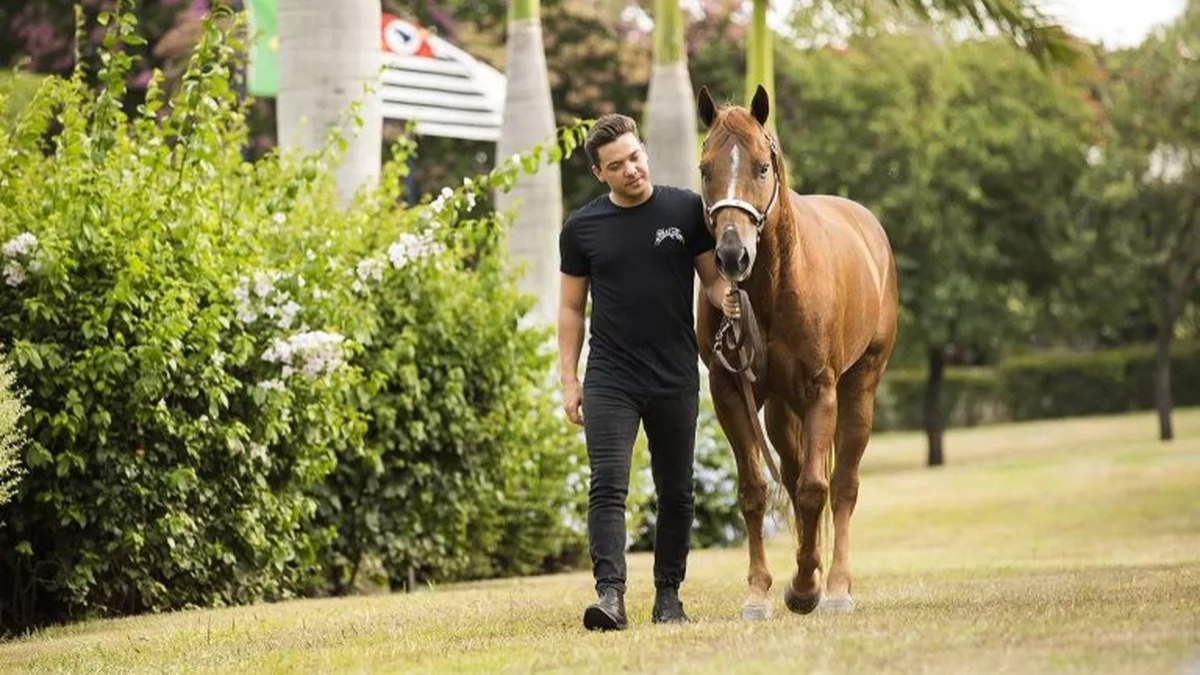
804,593
783,430
752,487
856,411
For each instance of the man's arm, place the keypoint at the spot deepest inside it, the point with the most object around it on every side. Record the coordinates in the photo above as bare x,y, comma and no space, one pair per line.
572,301
715,286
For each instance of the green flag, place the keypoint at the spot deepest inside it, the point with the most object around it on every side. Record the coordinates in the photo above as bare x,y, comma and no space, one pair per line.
263,77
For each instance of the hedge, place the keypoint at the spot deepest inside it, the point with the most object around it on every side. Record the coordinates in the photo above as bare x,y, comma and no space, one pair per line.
1041,386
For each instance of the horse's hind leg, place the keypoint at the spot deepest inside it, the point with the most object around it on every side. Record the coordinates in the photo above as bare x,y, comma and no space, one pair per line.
752,487
856,411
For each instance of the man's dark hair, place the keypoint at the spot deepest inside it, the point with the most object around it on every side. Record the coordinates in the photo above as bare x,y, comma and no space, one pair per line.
607,129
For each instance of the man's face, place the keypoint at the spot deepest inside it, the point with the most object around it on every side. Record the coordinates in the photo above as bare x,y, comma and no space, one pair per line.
624,169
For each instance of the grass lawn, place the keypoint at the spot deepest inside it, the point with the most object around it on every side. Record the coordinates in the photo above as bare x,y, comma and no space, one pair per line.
1064,546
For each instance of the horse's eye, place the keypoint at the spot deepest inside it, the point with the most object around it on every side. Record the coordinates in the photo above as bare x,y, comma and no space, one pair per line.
762,170
703,173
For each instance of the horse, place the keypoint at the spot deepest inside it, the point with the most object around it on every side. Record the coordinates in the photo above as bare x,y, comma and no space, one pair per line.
820,276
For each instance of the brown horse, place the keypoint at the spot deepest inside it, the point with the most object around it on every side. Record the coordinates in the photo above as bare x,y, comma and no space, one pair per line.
819,273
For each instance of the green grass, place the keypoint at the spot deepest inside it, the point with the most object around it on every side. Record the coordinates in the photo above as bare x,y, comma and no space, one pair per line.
1064,546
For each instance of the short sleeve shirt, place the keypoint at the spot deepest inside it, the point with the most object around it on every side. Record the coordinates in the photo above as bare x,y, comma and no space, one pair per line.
640,269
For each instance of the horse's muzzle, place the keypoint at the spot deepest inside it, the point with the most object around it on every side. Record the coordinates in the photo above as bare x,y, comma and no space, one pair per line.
733,261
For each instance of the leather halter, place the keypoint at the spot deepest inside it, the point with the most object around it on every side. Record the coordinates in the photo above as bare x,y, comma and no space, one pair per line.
758,217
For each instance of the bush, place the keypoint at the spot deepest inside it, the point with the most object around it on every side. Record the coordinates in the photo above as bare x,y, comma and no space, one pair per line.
169,461
970,396
1112,381
1042,386
204,340
465,470
12,439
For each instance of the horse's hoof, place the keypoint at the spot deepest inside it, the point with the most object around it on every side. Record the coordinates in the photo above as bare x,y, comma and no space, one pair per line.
839,605
756,610
801,604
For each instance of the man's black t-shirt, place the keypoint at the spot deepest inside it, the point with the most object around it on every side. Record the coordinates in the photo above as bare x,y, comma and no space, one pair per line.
638,261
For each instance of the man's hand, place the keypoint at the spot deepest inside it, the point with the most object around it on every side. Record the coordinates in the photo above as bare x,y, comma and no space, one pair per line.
730,304
573,401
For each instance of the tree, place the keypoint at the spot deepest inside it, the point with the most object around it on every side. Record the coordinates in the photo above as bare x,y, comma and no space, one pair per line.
1021,21
1145,203
671,131
969,155
328,64
529,120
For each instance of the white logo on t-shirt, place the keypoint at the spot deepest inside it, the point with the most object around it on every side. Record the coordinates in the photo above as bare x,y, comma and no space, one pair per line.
667,233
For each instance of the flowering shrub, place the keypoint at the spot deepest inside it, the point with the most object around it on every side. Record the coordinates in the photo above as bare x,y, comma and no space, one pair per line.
464,469
237,390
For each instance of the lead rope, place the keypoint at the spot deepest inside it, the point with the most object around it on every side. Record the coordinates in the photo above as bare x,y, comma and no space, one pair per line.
739,348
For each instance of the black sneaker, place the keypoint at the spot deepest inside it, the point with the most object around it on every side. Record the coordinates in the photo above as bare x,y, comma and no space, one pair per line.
608,613
667,607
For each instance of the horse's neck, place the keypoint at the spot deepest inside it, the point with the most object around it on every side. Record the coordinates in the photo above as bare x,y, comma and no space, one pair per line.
774,265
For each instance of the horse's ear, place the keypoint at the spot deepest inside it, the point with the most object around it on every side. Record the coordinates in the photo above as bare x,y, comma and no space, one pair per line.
760,106
707,109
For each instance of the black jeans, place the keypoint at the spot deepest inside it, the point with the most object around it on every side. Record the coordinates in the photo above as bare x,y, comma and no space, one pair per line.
611,419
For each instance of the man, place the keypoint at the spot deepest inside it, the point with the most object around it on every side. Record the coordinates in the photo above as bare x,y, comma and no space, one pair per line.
635,249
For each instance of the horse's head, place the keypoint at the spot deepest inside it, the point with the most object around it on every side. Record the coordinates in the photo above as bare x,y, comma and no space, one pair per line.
741,179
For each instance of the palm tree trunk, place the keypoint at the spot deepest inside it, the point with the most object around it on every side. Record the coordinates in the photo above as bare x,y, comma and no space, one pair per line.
528,121
671,132
760,57
327,60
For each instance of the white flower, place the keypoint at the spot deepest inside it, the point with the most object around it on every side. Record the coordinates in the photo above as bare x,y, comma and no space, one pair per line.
446,193
22,244
264,283
370,269
410,247
241,293
437,205
357,286
279,218
516,158
272,385
247,316
312,354
287,314
14,274
310,255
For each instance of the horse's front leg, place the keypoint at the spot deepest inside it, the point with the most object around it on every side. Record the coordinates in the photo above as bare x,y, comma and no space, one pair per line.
820,420
752,487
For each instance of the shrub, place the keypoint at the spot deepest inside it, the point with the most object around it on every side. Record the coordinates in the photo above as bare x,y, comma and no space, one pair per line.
169,461
465,469
204,340
1042,386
